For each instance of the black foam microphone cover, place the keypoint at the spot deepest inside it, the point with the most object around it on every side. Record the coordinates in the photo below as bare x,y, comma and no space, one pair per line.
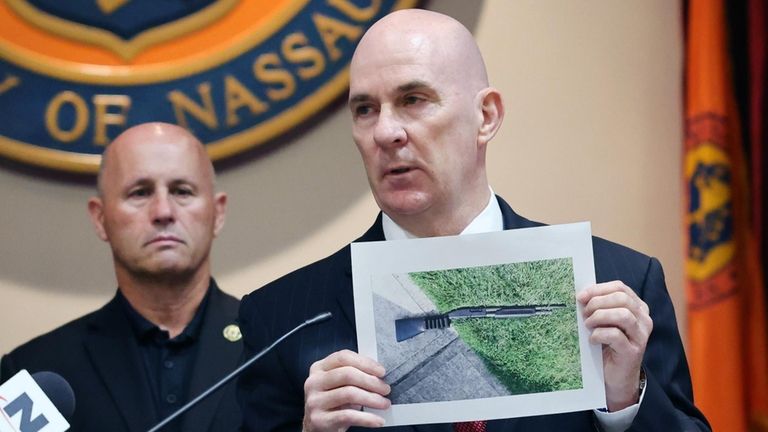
58,391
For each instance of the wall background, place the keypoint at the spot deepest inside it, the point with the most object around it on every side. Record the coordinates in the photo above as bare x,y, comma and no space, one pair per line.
593,131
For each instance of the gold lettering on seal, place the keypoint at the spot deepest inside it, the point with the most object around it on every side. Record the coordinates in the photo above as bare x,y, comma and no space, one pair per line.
182,104
267,69
105,118
8,83
297,50
237,96
331,30
52,116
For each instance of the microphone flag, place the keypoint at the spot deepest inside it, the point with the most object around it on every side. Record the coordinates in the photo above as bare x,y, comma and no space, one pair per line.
24,407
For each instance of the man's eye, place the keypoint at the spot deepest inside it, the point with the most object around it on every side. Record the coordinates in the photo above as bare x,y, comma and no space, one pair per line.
182,192
412,99
362,110
139,193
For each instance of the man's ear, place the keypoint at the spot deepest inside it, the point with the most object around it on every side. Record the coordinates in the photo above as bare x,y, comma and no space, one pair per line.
220,209
96,212
492,108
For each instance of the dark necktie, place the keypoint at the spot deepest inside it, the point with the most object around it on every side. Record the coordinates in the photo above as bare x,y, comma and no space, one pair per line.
473,426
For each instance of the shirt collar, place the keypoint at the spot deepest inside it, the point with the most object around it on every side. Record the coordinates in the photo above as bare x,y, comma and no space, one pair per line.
144,329
489,220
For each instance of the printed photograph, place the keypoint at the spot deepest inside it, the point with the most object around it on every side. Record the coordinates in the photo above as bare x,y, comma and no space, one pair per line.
478,332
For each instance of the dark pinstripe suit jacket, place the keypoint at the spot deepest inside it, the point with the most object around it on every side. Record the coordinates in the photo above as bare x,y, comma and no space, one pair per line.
271,394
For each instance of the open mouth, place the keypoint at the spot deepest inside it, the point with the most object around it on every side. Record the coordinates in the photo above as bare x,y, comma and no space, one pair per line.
400,170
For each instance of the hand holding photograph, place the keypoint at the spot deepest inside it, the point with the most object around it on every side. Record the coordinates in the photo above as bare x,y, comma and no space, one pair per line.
479,326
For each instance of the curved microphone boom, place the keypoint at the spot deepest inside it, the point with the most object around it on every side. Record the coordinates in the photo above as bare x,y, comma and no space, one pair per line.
319,318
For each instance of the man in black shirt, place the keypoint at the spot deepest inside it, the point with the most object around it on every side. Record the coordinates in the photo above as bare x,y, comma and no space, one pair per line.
169,332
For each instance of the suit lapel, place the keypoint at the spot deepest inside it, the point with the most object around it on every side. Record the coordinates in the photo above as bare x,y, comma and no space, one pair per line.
114,353
513,220
216,357
344,296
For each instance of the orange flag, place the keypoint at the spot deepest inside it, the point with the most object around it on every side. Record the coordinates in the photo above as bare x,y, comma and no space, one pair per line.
726,305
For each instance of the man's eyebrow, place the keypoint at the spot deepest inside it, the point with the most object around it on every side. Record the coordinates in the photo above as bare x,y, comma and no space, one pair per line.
403,88
413,85
359,98
139,181
184,181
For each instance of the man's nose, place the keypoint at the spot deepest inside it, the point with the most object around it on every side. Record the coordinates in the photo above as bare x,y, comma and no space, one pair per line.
162,208
389,130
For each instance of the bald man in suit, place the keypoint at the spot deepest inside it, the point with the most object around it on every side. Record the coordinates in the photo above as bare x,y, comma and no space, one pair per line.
423,113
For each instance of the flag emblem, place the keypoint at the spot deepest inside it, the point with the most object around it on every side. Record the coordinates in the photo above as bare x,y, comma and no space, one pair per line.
709,218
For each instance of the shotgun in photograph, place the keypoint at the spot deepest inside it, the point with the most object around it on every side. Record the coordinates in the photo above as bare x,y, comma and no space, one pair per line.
406,328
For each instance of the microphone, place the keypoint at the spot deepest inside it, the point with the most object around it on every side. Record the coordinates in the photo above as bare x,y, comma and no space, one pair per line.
58,391
46,394
317,319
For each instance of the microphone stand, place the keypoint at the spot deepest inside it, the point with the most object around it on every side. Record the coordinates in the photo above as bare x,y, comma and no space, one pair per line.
319,318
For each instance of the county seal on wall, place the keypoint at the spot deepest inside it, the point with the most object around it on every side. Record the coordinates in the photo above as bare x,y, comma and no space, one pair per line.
237,73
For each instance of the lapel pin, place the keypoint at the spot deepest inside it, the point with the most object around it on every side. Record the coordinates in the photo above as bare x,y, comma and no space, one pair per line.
232,333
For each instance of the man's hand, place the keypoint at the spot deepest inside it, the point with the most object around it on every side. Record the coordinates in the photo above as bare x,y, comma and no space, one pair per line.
620,321
338,387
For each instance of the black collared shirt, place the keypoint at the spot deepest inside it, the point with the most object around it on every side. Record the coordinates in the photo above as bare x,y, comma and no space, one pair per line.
168,363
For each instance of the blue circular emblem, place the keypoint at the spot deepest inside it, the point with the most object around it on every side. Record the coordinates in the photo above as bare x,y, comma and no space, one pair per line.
74,74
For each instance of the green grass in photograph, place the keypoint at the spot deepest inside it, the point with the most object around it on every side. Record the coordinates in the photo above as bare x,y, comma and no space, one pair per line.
529,355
